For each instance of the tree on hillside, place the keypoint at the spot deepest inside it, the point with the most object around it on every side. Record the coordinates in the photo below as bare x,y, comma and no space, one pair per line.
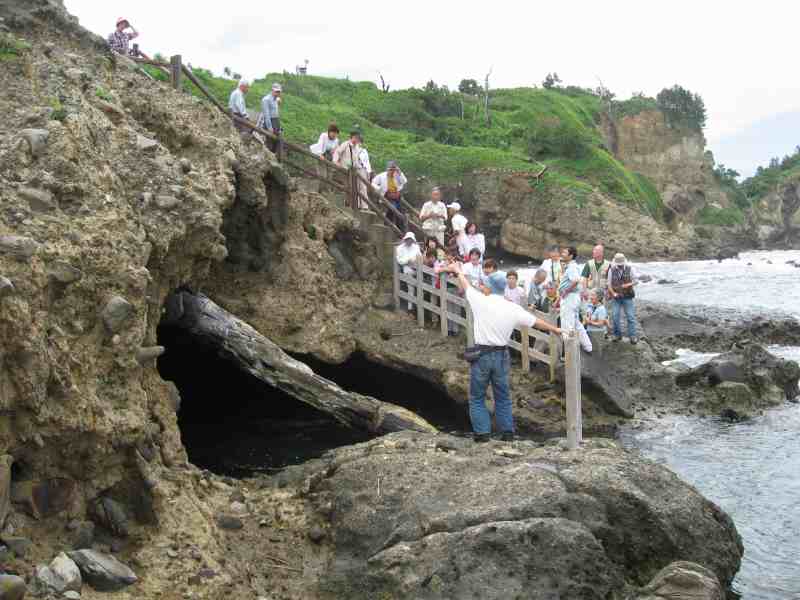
469,87
682,108
552,80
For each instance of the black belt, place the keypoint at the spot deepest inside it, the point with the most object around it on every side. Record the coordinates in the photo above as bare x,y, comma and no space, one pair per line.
491,348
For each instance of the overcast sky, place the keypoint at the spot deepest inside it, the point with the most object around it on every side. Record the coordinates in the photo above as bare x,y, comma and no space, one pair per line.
738,55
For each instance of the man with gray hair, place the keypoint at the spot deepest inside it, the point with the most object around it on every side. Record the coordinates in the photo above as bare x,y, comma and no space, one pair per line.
433,216
238,108
270,110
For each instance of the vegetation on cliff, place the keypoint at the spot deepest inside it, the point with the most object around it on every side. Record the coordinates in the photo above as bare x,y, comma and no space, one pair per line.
768,178
442,135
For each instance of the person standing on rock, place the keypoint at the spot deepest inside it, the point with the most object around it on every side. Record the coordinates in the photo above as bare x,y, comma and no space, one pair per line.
621,281
494,320
119,40
570,297
408,256
433,216
271,110
390,184
238,108
595,271
327,143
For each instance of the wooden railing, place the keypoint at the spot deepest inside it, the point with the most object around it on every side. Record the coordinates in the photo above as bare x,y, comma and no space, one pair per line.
302,160
422,283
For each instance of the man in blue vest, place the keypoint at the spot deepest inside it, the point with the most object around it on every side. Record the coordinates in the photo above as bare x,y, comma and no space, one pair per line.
621,281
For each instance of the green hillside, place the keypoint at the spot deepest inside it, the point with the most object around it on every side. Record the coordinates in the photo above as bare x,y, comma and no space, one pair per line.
443,135
767,179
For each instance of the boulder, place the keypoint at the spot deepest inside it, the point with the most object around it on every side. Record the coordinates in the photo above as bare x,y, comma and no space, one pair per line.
37,140
682,581
5,486
147,354
20,546
60,576
39,200
102,571
116,313
44,498
63,272
110,514
6,287
12,587
413,521
19,247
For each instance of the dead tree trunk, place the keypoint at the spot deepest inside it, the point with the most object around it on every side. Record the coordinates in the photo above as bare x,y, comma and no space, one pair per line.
238,342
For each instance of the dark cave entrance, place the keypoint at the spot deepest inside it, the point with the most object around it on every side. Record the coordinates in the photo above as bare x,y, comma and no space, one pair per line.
361,375
234,424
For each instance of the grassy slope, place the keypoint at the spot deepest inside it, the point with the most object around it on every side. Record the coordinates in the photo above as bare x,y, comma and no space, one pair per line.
398,126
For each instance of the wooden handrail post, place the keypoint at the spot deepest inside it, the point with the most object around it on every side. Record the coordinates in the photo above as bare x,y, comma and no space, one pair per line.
526,347
553,355
470,327
176,71
420,295
443,303
572,372
396,280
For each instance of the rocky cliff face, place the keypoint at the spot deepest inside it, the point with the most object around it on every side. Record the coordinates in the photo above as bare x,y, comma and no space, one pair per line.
776,217
676,160
116,191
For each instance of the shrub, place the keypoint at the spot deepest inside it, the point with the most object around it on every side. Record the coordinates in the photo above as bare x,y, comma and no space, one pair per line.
682,108
721,217
12,47
554,137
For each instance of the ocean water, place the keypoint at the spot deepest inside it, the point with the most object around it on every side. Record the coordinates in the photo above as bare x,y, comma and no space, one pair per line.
751,469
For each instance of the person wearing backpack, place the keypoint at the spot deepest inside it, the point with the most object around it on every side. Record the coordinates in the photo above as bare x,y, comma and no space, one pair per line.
621,281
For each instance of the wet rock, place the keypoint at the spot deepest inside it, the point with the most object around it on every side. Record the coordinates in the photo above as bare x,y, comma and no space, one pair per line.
60,576
645,278
44,498
316,534
5,486
6,287
102,571
12,587
167,202
682,580
19,247
64,272
229,522
83,535
39,200
20,546
110,514
666,282
150,353
401,524
144,143
37,140
116,313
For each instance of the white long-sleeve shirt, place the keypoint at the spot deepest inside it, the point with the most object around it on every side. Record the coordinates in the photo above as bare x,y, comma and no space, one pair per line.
407,255
363,161
236,103
468,242
324,144
381,182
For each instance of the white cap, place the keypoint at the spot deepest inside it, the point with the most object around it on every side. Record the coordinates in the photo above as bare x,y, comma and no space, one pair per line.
276,87
454,206
410,236
619,258
244,81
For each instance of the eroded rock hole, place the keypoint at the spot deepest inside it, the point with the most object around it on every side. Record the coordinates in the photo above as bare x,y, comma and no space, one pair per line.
234,424
361,375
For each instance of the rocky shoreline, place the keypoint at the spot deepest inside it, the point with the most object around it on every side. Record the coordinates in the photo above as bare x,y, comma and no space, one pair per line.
119,202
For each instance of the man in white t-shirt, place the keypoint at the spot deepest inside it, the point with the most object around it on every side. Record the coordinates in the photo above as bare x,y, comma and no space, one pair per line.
457,220
570,297
494,321
407,254
433,216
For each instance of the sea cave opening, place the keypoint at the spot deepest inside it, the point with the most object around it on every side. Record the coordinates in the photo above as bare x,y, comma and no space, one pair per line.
234,424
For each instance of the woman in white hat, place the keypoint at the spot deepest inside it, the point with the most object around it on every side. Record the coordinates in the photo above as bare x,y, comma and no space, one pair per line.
119,40
621,281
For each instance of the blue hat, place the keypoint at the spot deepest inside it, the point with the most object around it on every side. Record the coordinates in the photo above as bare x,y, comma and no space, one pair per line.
497,282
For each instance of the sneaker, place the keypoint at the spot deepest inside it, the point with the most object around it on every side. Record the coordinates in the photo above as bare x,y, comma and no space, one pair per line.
480,438
507,436
634,340
616,338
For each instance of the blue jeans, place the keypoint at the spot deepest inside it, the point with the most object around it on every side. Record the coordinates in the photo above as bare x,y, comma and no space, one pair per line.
494,368
617,306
